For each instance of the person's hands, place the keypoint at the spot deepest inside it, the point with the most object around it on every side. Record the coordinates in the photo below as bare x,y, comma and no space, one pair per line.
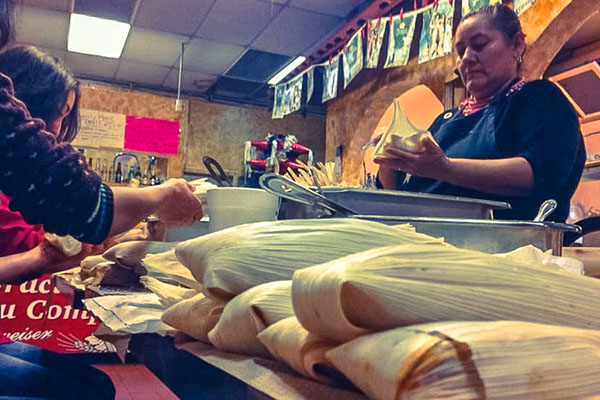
179,205
132,234
431,162
53,259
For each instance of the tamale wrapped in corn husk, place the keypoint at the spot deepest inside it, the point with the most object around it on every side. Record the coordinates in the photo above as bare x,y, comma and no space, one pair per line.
474,360
232,260
289,342
166,267
131,253
195,316
395,286
248,313
167,293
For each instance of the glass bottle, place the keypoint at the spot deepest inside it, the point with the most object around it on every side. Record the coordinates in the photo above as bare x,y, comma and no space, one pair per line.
104,170
110,174
151,172
119,174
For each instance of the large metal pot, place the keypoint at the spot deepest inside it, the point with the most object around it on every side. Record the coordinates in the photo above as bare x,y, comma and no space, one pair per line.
306,203
489,236
438,216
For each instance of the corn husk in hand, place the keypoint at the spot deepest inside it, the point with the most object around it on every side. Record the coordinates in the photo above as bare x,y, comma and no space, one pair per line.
232,260
195,316
250,312
474,360
289,342
395,286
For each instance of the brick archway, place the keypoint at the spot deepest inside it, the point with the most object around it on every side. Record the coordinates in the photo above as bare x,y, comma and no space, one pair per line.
549,24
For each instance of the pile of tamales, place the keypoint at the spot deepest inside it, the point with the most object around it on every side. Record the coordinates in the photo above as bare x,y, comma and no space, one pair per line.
399,314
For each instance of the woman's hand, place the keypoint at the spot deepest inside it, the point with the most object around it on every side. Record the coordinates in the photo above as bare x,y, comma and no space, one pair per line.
52,259
431,162
179,205
43,259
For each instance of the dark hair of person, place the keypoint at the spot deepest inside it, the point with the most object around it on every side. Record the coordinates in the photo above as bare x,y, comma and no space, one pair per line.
43,83
502,18
6,21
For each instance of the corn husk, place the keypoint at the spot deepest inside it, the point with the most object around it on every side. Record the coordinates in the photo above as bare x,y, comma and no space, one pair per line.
250,312
401,134
166,267
68,245
232,260
90,261
404,285
474,360
195,316
289,342
167,293
132,253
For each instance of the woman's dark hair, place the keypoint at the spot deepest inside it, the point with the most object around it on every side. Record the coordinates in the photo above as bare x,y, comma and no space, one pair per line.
6,21
502,18
43,83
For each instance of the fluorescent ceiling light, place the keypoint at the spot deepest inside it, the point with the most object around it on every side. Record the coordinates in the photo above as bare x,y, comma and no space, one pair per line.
286,70
97,36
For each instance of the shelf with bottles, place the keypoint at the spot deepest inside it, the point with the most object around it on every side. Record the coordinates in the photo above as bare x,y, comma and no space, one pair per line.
120,168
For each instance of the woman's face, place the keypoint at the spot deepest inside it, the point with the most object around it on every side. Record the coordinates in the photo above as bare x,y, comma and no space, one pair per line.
55,126
485,61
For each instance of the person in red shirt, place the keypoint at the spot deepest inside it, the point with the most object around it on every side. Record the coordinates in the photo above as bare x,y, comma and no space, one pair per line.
51,93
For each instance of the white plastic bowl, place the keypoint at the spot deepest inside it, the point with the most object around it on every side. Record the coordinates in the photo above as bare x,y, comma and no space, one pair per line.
231,206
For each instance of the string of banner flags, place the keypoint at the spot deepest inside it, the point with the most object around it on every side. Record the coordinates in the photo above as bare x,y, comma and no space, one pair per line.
435,41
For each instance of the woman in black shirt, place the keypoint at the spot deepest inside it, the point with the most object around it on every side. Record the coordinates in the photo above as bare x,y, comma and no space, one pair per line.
511,140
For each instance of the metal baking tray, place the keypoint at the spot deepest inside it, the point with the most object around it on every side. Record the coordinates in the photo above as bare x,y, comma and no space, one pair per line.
489,236
398,203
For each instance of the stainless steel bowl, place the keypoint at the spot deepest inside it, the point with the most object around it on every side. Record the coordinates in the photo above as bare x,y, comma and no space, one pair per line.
489,236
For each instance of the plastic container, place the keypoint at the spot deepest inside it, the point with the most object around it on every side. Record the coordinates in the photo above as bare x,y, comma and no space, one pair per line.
231,206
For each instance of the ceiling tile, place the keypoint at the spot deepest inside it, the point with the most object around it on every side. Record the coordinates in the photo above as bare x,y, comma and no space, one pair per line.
210,57
237,21
190,81
118,10
258,65
141,73
166,48
293,31
234,87
340,8
92,66
41,27
54,5
175,16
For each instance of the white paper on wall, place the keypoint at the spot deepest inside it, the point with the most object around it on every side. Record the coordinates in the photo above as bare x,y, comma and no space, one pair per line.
100,129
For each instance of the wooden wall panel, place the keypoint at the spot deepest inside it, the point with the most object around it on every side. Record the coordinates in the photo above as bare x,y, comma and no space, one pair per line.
216,130
111,99
219,131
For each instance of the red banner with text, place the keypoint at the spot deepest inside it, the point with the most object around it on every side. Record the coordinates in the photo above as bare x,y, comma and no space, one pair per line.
35,312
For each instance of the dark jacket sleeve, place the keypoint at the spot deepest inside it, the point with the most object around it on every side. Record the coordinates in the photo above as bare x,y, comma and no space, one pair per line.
541,126
49,183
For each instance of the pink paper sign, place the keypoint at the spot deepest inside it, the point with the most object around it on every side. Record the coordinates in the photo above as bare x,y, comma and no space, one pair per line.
151,135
